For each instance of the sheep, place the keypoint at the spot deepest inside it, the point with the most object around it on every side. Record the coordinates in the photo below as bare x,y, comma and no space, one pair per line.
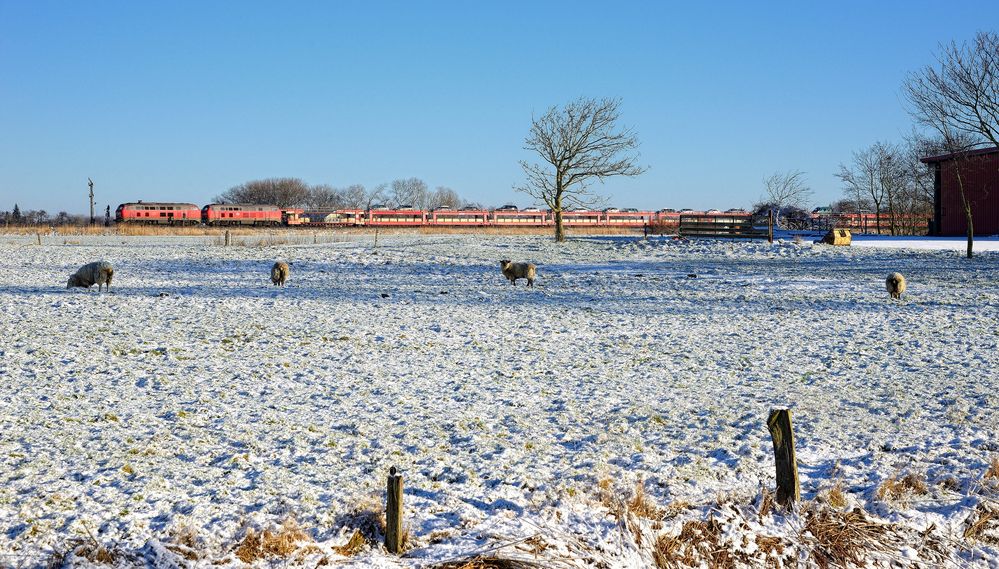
98,272
279,273
896,285
514,271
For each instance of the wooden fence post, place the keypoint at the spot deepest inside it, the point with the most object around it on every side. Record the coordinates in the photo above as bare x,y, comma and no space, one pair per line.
393,513
226,237
770,226
788,488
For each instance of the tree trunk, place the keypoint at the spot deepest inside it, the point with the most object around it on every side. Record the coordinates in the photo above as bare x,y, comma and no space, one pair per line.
559,231
967,211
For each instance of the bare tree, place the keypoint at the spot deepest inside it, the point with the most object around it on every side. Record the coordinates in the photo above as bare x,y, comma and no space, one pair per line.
444,197
959,99
282,192
411,192
355,196
324,197
578,143
786,189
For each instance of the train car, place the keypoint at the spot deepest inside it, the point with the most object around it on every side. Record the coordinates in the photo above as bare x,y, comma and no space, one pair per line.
396,217
448,216
628,218
335,218
241,214
510,216
582,217
293,217
158,213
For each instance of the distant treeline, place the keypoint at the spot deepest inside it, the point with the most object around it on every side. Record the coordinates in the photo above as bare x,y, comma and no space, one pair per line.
293,192
42,217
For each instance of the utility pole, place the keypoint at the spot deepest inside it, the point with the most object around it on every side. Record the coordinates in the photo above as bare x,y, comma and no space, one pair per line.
91,184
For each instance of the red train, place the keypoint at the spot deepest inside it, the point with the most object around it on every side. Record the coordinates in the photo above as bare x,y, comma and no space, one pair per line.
170,213
241,214
158,213
164,213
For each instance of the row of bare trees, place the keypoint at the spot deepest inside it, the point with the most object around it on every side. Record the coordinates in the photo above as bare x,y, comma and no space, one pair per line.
888,179
293,192
956,101
39,217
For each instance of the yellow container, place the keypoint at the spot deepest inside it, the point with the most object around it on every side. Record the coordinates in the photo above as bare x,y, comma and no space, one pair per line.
838,237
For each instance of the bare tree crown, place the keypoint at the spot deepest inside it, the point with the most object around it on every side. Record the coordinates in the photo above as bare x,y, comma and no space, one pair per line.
577,144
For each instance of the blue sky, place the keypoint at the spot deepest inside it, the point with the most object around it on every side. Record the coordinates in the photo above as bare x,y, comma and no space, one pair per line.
178,101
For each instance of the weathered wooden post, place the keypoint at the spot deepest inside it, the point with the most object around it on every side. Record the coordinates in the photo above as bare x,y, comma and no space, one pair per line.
376,238
788,488
770,226
226,237
393,513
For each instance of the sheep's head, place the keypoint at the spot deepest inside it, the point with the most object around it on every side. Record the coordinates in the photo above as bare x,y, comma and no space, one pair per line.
73,281
505,264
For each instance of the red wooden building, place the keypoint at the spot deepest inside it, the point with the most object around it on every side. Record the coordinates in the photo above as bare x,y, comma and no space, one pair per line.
978,173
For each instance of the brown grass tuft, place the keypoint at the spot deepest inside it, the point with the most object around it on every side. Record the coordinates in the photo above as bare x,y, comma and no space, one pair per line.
767,502
488,562
642,506
992,472
281,543
983,524
353,546
699,543
184,541
835,496
843,539
900,490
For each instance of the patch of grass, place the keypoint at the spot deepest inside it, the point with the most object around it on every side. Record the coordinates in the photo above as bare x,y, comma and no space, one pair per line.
900,490
185,541
983,524
353,546
282,543
834,496
843,539
699,543
642,506
992,472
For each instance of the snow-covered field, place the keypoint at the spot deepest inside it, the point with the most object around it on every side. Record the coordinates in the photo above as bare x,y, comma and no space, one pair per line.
197,398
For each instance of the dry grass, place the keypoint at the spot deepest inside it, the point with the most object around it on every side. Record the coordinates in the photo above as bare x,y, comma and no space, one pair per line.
642,506
767,502
699,543
834,496
488,562
900,490
282,543
353,546
992,472
983,524
844,538
185,541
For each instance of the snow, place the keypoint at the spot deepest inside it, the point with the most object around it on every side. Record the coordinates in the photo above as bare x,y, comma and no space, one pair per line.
196,394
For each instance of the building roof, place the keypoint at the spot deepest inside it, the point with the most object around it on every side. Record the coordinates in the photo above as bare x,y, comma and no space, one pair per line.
965,154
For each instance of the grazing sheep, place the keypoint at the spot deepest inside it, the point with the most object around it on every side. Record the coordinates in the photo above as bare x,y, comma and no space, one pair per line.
279,273
98,272
896,285
514,271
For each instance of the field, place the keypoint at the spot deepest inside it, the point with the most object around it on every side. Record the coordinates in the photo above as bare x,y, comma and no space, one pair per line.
612,416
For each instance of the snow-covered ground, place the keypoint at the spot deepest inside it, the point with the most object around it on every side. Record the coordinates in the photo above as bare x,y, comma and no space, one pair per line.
196,395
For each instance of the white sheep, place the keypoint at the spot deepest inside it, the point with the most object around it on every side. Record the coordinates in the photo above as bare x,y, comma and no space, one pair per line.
514,271
896,285
279,273
98,272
